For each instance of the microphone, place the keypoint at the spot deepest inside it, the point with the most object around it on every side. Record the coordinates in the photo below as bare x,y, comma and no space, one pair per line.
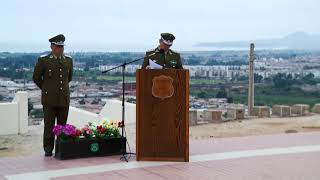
160,51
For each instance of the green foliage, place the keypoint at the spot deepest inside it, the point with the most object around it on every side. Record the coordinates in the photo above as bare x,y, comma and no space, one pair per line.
105,130
222,93
243,78
268,95
309,79
203,95
282,80
257,78
37,113
277,99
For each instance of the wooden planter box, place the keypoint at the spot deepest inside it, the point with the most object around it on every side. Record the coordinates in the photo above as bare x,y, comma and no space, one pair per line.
89,148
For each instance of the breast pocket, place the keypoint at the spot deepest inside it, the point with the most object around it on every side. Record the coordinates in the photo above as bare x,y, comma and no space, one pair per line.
64,72
50,73
173,64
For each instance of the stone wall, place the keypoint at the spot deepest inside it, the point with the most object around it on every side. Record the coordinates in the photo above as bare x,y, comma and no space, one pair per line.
213,115
300,109
235,113
281,110
14,115
261,111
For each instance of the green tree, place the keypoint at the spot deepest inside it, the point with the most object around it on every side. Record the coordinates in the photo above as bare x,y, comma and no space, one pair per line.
257,78
230,100
202,94
222,93
243,78
309,79
281,80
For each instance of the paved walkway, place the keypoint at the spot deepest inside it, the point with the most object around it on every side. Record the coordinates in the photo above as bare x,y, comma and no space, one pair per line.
282,156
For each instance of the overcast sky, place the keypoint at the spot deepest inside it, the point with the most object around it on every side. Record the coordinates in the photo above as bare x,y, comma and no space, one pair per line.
135,25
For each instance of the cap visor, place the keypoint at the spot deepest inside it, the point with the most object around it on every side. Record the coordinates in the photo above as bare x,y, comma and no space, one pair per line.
167,43
58,44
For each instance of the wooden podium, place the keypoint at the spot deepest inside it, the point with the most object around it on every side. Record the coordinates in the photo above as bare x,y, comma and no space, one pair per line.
162,129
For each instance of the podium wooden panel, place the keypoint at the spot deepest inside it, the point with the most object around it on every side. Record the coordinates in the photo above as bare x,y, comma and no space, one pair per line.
162,128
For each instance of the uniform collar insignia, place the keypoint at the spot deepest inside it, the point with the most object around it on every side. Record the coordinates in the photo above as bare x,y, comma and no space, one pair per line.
158,49
54,57
44,55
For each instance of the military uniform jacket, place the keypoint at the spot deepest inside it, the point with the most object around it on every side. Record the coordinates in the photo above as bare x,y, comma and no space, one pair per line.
168,60
52,75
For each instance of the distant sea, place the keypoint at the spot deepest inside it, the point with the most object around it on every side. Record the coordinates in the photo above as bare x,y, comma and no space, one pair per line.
42,47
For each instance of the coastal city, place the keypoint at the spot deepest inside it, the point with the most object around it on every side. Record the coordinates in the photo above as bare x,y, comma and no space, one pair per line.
217,79
160,90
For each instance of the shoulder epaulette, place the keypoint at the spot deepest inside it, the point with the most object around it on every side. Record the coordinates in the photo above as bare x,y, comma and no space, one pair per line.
151,50
68,56
174,51
43,55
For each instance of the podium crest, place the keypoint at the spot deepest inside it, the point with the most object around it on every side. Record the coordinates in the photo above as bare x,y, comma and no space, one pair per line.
162,87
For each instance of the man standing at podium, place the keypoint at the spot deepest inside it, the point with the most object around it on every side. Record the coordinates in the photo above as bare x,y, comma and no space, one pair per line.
163,57
52,75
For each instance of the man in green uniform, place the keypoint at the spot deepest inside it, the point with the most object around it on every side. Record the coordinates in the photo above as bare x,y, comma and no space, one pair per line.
163,55
52,75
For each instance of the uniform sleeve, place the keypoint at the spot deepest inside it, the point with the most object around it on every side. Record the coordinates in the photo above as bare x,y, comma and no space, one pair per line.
145,62
179,62
71,71
38,73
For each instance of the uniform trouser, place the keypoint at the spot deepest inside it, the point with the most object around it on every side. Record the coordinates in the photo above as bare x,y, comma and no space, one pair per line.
52,113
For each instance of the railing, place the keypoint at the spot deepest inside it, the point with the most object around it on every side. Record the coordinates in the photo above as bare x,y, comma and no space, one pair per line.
14,115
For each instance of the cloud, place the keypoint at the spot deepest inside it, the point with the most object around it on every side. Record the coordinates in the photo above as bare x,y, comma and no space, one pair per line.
141,21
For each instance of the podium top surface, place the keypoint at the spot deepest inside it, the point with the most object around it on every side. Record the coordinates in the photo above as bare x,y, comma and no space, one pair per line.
164,70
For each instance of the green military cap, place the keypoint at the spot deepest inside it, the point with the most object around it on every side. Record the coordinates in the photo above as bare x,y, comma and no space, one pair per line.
58,40
167,38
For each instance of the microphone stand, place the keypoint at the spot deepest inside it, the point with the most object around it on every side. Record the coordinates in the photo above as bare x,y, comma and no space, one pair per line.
123,66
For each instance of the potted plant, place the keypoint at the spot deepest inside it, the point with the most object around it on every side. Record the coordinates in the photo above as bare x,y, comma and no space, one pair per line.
92,140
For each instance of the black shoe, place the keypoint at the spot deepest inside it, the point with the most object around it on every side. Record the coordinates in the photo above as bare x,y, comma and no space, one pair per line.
48,154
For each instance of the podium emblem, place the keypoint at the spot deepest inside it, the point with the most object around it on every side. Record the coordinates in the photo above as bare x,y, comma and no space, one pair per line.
94,147
162,87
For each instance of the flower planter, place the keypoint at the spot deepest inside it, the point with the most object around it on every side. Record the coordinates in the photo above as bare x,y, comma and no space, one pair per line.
70,149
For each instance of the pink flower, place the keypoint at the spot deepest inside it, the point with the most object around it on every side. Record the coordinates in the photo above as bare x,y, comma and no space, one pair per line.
57,130
78,133
69,130
86,131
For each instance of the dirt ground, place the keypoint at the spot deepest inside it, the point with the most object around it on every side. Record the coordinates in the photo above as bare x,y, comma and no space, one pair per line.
260,126
31,142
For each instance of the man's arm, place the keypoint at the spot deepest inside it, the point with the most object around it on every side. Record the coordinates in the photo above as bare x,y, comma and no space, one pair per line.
145,62
38,73
179,64
71,71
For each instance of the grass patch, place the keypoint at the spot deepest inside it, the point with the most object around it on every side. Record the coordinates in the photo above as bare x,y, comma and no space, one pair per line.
270,100
115,78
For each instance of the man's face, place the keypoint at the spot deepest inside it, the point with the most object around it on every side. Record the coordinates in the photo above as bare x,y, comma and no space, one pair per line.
164,46
57,50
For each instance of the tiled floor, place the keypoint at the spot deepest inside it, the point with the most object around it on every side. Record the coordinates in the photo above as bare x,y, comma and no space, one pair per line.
282,156
291,167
